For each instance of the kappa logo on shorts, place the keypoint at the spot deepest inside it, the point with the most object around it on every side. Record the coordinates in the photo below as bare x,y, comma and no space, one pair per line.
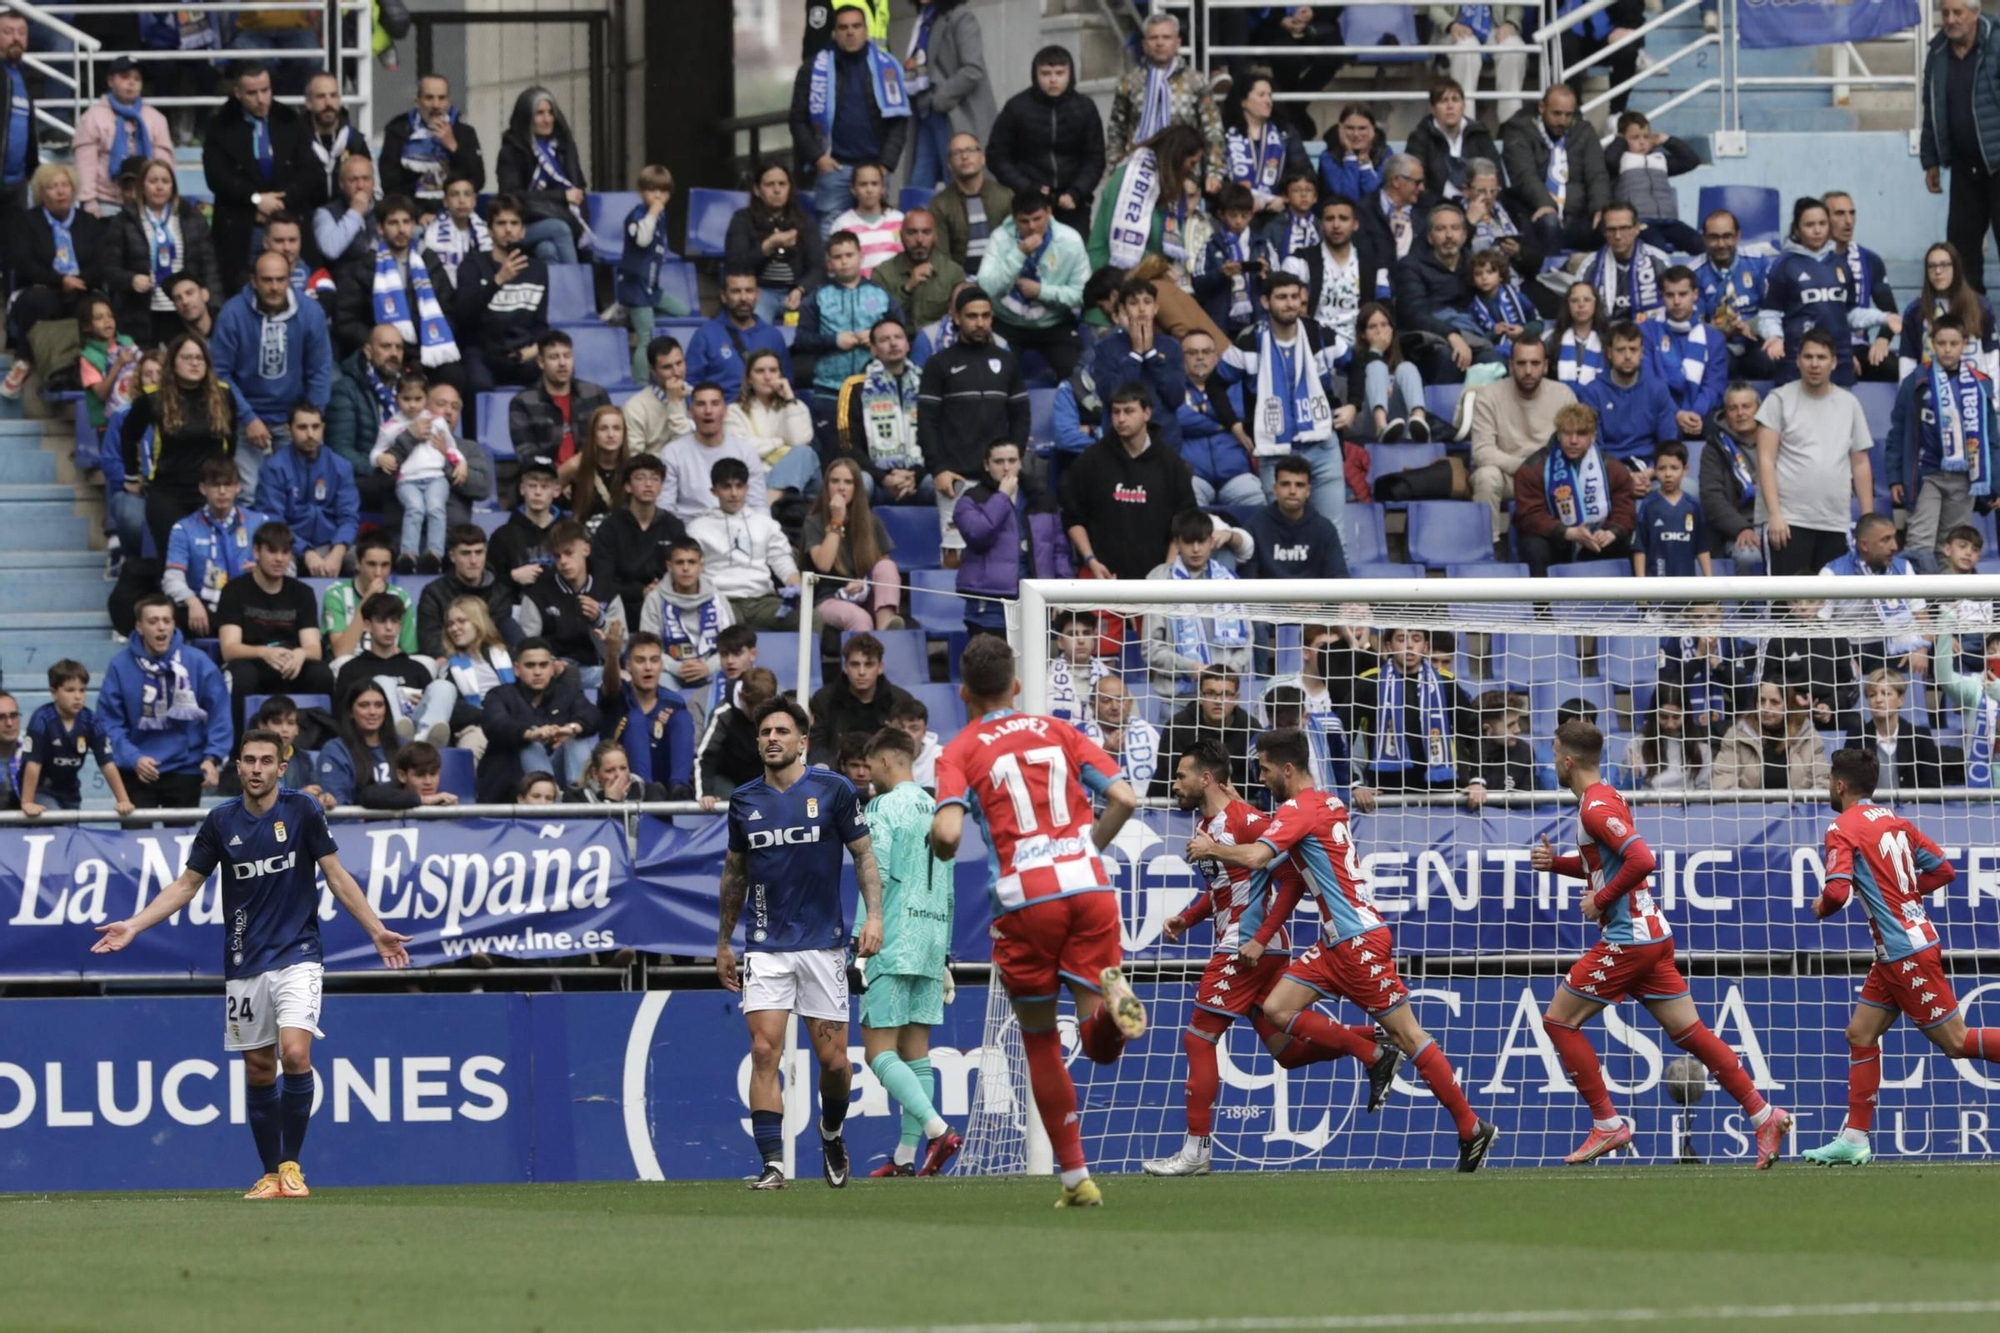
1936,1012
1909,963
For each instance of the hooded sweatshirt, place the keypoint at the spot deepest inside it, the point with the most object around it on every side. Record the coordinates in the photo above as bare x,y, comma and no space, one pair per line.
1127,504
180,745
688,623
275,360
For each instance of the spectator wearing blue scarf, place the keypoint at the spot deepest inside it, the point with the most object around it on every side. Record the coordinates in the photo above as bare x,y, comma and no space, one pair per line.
256,161
1940,446
849,106
19,157
145,244
539,163
1729,479
119,126
56,253
429,146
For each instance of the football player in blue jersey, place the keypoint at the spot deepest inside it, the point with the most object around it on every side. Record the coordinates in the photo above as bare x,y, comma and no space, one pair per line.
786,831
268,844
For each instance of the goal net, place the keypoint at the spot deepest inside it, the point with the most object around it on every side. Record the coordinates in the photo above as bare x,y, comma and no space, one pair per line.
1721,701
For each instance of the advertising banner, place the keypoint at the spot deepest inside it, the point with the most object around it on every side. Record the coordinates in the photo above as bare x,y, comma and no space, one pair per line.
1768,23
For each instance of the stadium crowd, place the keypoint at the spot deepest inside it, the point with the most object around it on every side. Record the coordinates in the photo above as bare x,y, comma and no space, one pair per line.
1165,344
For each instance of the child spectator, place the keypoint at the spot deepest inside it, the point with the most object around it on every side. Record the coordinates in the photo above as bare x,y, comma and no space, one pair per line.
1710,668
538,789
608,779
748,552
567,609
427,463
876,227
1940,439
850,760
638,285
1179,646
1226,278
859,587
1962,548
110,362
209,548
1907,751
1640,162
688,615
736,650
457,231
340,608
1075,667
1670,754
279,713
1729,479
861,699
1500,758
420,702
834,318
1012,530
914,720
1576,345
728,752
1503,312
58,739
1387,386
1292,539
419,767
539,721
1214,443
1079,412
652,723
519,550
1687,355
1669,541
1292,228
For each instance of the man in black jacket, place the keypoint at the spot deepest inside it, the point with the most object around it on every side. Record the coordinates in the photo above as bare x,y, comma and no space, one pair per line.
427,148
1393,217
538,720
1434,298
330,139
1527,143
1213,715
551,421
354,314
1120,496
1410,723
629,550
1049,140
827,155
519,547
860,700
1363,261
502,303
971,394
255,156
467,576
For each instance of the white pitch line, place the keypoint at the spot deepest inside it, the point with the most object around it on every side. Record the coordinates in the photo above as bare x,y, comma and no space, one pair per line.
1453,1319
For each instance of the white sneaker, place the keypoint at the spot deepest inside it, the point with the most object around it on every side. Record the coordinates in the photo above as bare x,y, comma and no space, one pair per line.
1186,1162
1710,23
406,730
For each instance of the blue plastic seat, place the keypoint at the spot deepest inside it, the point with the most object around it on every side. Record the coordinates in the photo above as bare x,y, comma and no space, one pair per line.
1450,532
1877,402
678,278
914,529
606,213
905,658
778,650
302,701
947,710
490,520
1385,26
1757,210
1362,536
1487,569
1385,569
1041,416
1592,569
709,212
934,600
572,294
603,354
455,773
1529,659
1546,697
1388,459
490,413
1441,403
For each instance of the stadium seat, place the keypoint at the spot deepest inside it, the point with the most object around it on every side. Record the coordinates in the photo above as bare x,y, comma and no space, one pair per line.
1545,698
490,519
947,710
491,422
1877,402
1386,459
1757,210
1385,569
606,213
778,650
912,196
318,587
1487,569
256,701
709,212
603,354
678,278
1441,404
934,600
455,773
1631,664
572,294
1449,532
906,660
1529,659
1384,26
1592,569
1362,536
914,529
1041,416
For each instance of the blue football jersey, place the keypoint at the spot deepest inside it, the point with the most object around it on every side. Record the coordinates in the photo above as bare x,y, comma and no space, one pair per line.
795,841
62,751
1673,535
270,890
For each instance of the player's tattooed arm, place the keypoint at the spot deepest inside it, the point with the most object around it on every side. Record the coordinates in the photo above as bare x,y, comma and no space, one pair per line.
735,887
869,876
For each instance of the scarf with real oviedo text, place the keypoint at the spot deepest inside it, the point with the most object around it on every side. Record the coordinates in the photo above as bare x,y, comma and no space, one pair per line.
1196,636
1962,404
1132,208
425,156
1740,468
391,298
1556,181
1579,492
1292,406
1642,279
168,694
1433,723
684,644
1257,163
1579,363
1505,306
889,417
885,79
444,239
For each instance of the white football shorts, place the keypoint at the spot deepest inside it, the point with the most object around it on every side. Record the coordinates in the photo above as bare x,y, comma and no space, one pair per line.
810,983
287,997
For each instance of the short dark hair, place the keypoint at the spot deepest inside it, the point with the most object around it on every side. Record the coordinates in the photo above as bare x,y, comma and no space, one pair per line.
1857,770
506,203
383,606
1968,534
735,639
1631,118
1210,756
1624,331
529,781
1581,739
272,536
891,738
1132,391
909,708
1027,203
641,463
534,643
682,543
1285,745
1817,337
1132,287
1002,443
1943,322
565,533
67,670
1192,525
150,600
1282,279
727,470
464,534
987,668
274,707
1678,273
261,736
391,204
419,758
841,238
312,409
890,318
644,638
1294,465
1671,449
852,745
782,704
176,279
863,643
659,345
1236,198
555,338
1327,201
219,471
1874,522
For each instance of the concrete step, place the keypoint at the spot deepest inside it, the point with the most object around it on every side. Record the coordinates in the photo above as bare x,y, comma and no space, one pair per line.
26,663
46,492
69,588
19,466
43,527
43,561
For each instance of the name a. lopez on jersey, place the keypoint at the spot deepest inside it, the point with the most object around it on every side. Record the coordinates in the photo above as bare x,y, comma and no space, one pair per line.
1018,723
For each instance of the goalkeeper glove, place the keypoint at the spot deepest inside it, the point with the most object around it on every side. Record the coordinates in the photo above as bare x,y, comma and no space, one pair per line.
950,985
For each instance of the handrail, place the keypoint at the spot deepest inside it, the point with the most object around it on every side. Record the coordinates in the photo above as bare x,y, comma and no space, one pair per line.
1562,23
1653,70
1638,34
36,14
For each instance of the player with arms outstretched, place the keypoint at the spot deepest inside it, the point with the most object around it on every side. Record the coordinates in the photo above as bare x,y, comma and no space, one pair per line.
1873,852
1029,780
905,993
786,832
1633,956
1245,965
268,843
1355,957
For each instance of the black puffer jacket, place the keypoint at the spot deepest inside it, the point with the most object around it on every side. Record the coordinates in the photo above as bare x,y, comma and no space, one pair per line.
1054,143
516,165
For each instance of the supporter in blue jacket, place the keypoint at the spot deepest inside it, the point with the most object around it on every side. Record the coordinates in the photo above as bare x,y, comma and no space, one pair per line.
310,489
1214,444
1078,413
1294,540
276,350
835,317
1737,280
716,353
1139,351
1635,412
166,711
1940,498
1352,162
1688,356
1231,299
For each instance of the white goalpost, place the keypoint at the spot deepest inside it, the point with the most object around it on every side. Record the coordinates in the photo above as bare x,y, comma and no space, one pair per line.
1730,798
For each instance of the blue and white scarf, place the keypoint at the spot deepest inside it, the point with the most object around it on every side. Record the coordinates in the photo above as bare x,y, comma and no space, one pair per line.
1579,363
167,693
59,230
1739,467
260,146
1132,209
1864,276
549,175
385,395
443,239
465,673
918,57
1597,26
391,295
129,135
884,76
332,155
165,232
1642,280
1023,308
425,156
1984,723
1292,406
1479,18
1257,165
1693,359
1433,722
1577,493
1225,629
696,643
1506,306
1963,407
1301,233
1556,181
1236,245
1158,110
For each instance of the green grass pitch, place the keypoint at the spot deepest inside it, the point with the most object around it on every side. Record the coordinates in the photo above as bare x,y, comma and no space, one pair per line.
1295,1250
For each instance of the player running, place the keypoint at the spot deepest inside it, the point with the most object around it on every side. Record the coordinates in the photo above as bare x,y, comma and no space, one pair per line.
1633,956
1873,851
903,998
272,961
1355,956
786,830
1244,966
1028,780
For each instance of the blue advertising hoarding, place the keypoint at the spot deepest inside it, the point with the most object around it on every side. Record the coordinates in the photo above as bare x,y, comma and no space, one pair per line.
1771,23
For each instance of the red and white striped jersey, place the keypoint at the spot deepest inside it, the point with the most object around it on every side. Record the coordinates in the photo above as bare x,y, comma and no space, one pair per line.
1234,889
1312,828
1029,781
1605,835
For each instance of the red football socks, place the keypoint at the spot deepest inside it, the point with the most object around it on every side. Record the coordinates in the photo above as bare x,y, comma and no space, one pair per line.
1055,1096
1712,1051
1099,1036
1204,1081
1983,1044
1580,1060
1436,1071
1315,1027
1864,1080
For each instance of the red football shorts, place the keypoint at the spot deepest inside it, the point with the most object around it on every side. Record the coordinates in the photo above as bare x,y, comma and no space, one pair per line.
1611,972
1232,988
1075,936
1916,985
1361,969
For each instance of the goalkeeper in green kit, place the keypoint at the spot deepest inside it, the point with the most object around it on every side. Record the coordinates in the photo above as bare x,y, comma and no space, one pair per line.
906,983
